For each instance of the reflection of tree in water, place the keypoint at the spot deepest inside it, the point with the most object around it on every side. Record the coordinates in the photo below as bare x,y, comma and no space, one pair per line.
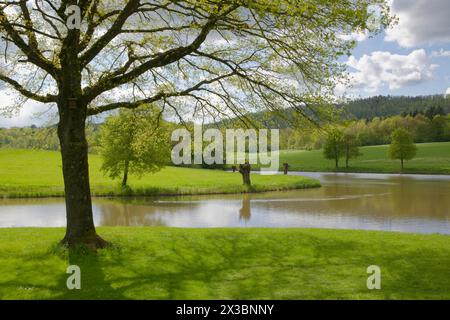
139,212
245,212
123,214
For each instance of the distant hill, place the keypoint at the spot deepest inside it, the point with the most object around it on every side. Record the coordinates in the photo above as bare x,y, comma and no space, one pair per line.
368,108
386,106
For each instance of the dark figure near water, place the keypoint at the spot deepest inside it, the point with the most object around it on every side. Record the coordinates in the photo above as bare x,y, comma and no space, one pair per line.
286,168
245,169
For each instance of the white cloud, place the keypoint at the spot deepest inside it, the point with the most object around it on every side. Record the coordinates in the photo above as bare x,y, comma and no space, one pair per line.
27,115
447,93
441,53
397,71
420,22
358,36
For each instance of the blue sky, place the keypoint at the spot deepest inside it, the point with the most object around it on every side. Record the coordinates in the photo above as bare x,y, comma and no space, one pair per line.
438,54
438,84
412,58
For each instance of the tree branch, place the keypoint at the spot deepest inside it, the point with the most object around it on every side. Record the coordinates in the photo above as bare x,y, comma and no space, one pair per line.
32,52
157,97
17,86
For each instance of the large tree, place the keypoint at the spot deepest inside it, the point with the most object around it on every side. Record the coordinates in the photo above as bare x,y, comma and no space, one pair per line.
211,57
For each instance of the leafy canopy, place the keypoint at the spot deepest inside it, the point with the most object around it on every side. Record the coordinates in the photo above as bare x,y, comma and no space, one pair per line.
210,58
402,145
134,141
334,147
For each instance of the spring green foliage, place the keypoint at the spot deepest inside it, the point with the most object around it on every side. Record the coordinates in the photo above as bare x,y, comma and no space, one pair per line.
432,158
375,132
351,145
171,263
134,141
334,146
402,146
341,143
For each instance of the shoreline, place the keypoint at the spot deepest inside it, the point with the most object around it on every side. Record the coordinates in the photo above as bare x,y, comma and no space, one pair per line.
305,183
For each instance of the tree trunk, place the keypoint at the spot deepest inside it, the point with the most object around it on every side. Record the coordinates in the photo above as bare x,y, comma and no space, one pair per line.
74,151
285,168
401,160
125,173
336,162
245,170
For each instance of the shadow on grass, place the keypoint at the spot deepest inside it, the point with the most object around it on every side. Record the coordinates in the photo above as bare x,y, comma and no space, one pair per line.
94,284
215,268
175,265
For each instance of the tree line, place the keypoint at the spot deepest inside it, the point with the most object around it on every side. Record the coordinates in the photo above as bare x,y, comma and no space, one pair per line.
387,106
373,132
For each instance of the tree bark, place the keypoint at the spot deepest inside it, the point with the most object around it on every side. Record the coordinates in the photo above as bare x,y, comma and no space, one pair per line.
245,170
74,151
401,160
336,162
125,174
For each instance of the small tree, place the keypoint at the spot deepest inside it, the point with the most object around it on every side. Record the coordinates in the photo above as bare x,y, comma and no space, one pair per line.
351,145
134,141
334,146
402,146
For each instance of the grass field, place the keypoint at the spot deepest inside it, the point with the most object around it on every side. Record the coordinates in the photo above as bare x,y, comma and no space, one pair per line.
32,173
432,158
163,263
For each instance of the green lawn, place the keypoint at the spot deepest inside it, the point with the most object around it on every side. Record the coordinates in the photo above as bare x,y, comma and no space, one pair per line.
33,173
431,158
163,263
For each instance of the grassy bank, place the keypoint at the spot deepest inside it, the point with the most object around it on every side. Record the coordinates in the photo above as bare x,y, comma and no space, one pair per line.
432,158
163,263
32,173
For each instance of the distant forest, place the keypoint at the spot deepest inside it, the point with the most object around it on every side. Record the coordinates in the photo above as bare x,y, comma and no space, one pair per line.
371,119
386,106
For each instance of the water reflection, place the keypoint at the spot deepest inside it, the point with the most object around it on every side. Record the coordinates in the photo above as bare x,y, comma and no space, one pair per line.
245,212
349,201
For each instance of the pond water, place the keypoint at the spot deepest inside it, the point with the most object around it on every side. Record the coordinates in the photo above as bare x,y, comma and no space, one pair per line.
407,203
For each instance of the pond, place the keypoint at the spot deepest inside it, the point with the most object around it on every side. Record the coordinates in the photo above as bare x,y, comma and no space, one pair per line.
406,203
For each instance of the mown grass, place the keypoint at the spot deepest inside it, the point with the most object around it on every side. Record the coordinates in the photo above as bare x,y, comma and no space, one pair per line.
432,158
163,263
33,173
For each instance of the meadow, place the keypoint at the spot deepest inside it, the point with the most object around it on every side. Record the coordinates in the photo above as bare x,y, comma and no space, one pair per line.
431,158
171,263
35,173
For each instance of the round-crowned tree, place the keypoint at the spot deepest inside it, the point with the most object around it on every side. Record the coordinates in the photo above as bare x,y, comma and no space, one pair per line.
402,146
134,141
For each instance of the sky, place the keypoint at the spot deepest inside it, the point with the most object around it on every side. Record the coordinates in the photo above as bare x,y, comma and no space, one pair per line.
412,58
